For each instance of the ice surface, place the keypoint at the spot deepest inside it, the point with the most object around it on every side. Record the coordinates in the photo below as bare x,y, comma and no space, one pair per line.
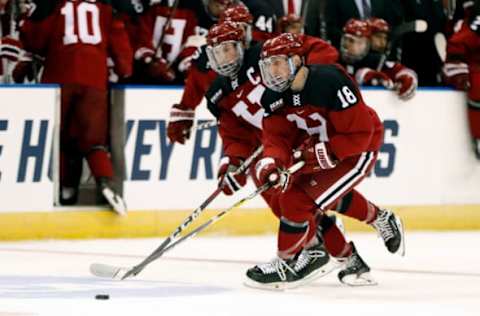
440,275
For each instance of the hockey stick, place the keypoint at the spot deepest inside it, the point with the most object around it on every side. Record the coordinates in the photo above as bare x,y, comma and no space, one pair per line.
416,26
201,126
99,270
158,50
122,273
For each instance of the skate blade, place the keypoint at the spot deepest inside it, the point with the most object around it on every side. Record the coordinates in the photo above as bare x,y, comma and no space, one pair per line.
277,286
365,279
401,249
115,202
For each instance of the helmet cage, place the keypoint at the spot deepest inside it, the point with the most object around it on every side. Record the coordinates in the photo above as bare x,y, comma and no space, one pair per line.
219,61
276,82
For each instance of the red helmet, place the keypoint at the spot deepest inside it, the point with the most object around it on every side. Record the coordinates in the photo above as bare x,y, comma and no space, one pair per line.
226,43
287,20
357,28
237,13
226,31
285,44
378,25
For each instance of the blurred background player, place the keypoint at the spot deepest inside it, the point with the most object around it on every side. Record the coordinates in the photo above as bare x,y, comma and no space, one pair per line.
69,34
200,75
462,69
290,23
338,137
369,67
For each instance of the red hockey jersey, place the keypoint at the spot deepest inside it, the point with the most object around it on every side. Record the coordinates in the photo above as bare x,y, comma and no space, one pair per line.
76,38
330,108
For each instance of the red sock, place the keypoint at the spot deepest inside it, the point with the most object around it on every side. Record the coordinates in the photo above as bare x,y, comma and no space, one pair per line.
474,121
100,163
292,237
334,240
357,206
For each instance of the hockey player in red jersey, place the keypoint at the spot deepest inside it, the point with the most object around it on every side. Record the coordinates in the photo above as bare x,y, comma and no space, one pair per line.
75,38
234,99
200,75
462,70
362,58
317,112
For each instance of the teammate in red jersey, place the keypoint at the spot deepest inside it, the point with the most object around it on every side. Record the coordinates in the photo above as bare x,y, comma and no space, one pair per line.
462,70
318,112
363,58
75,38
234,98
200,75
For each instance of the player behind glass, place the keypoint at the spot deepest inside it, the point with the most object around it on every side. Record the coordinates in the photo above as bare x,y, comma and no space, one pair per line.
318,112
462,69
290,23
75,38
362,57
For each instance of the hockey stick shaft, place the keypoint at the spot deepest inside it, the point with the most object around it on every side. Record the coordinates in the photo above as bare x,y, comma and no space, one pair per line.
158,50
201,126
217,217
195,214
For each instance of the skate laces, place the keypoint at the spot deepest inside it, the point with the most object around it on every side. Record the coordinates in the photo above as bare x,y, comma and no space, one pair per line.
353,262
277,265
306,256
383,226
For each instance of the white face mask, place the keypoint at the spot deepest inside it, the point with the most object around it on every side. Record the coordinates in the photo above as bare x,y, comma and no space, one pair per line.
277,72
226,58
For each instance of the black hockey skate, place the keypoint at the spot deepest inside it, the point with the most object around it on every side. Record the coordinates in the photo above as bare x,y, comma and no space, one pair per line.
280,274
356,272
390,228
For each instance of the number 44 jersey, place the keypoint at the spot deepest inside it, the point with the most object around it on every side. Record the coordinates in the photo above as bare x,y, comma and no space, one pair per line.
329,108
76,37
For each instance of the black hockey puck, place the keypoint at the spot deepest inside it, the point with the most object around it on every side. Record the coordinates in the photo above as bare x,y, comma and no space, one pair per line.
102,297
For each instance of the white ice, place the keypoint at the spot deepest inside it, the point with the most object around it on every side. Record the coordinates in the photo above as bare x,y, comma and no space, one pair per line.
440,275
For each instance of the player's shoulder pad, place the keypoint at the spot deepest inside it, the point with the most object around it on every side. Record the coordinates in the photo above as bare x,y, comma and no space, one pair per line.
271,101
330,86
214,94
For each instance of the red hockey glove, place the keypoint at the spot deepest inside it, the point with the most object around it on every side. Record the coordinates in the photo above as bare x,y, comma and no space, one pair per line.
316,155
456,74
24,69
267,171
406,83
10,48
159,69
368,76
227,179
180,124
155,68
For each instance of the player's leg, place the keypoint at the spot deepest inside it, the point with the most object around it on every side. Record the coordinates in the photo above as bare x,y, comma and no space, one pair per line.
333,189
91,115
70,158
354,270
301,255
474,108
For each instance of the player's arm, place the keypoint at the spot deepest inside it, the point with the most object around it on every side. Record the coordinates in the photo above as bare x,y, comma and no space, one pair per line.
455,70
352,120
119,48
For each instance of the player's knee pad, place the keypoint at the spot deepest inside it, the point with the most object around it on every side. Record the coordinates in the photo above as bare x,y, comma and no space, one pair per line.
343,203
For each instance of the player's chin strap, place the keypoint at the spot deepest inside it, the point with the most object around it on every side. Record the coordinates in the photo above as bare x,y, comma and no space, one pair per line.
103,270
